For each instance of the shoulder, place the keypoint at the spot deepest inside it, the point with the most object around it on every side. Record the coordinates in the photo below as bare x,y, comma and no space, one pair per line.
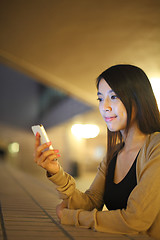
152,141
150,152
154,136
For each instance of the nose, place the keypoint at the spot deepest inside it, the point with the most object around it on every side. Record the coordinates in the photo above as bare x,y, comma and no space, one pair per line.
107,106
108,109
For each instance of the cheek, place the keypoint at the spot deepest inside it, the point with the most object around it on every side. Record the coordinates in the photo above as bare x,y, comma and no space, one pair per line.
124,115
100,109
121,111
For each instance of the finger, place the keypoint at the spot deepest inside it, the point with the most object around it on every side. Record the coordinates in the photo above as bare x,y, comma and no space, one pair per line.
41,149
43,146
64,203
37,144
47,157
37,140
52,158
59,211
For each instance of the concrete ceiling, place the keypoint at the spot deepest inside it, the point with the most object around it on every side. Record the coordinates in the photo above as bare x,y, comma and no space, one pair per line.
67,43
25,102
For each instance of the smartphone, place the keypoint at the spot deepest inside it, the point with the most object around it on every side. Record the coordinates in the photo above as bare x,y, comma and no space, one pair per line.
44,137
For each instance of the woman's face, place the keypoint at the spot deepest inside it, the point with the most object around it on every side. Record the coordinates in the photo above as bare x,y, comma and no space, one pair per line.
111,108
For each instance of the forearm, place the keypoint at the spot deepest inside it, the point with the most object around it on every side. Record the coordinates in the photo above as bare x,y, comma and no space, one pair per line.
65,183
103,221
140,215
92,198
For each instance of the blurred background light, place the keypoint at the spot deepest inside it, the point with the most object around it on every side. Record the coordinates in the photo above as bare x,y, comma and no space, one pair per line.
13,147
99,152
85,130
155,82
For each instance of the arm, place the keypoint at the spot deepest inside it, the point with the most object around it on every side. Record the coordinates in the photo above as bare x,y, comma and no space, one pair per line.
92,198
142,208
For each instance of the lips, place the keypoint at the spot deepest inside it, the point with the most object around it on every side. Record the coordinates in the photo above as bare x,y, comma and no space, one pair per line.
109,119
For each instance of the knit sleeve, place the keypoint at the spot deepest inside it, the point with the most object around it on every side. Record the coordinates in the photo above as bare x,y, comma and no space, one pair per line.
143,209
92,198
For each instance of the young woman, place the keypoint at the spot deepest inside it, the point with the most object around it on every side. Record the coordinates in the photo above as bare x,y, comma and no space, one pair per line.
128,178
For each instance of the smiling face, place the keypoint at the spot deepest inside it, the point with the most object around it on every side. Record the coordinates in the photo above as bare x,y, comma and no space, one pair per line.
111,108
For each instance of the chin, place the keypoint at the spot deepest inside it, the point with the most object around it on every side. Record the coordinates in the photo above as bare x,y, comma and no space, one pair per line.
113,129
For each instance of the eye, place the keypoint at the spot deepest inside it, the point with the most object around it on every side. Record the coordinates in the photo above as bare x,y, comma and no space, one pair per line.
114,97
99,99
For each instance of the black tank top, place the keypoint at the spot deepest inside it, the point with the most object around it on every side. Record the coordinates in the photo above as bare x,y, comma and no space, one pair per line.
116,195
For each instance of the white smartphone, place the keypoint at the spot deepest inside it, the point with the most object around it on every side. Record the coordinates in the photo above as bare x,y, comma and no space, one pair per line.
44,137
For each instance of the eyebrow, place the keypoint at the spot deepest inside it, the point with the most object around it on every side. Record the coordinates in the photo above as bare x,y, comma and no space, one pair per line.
110,91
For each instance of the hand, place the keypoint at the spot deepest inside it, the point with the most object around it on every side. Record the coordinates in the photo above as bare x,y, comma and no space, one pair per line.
60,208
46,159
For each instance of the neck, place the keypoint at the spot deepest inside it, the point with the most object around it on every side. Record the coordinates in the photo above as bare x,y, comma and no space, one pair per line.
134,138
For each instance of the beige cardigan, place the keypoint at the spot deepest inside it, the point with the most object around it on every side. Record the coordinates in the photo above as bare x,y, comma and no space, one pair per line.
142,214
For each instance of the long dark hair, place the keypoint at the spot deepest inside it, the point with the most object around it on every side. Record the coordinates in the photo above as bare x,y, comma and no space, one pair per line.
132,86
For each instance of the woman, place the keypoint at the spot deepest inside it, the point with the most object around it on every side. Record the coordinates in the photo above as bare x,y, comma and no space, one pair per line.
128,178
